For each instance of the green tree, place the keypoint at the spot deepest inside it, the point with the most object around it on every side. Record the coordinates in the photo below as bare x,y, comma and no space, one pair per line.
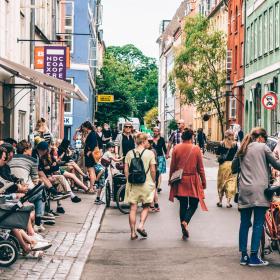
132,78
151,117
199,69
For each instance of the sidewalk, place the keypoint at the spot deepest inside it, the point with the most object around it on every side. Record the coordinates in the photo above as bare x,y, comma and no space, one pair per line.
72,237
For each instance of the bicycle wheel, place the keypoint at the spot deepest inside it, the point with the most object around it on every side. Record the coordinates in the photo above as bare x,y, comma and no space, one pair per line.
108,194
123,207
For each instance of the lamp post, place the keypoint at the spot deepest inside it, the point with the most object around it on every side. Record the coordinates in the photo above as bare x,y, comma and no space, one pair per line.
228,87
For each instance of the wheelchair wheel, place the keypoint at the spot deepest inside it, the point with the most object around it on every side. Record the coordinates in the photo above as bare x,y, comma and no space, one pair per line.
8,253
108,194
123,207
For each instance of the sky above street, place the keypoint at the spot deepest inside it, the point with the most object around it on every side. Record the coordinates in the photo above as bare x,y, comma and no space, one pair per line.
136,22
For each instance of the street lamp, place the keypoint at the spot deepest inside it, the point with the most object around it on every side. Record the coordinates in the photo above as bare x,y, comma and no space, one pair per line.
228,87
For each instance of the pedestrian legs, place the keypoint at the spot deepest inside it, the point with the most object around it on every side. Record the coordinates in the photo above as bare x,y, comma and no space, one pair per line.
245,224
143,216
132,219
259,217
188,206
92,177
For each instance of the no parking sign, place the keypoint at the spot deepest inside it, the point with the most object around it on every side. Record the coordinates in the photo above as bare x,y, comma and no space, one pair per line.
270,100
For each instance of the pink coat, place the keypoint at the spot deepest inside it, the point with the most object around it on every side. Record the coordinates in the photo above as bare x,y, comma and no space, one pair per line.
193,181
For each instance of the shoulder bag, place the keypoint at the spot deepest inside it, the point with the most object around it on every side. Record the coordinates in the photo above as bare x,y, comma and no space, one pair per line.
222,158
177,175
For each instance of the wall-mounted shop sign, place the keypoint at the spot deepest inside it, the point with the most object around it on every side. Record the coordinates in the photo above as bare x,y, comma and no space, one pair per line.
105,98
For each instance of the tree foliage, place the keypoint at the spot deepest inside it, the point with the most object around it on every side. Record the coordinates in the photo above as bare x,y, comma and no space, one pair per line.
151,117
199,69
132,78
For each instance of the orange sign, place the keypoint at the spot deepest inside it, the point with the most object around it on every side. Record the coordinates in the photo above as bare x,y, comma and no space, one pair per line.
39,57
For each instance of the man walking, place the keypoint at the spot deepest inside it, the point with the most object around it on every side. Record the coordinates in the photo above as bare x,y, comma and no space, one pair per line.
201,139
175,137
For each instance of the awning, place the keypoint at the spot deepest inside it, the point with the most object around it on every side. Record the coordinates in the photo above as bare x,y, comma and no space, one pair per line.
42,80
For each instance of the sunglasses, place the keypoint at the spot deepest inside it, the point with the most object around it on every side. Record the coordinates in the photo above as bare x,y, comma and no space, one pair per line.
127,126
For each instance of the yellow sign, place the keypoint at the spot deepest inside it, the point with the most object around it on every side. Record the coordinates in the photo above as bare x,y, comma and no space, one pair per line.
105,98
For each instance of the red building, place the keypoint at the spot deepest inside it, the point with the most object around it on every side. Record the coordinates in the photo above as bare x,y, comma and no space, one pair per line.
235,62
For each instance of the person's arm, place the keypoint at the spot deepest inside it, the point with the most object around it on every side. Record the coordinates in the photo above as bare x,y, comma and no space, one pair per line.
164,146
153,172
200,169
271,158
117,144
173,163
169,146
126,166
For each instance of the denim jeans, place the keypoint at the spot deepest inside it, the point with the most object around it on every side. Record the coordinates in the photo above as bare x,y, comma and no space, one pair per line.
245,224
39,205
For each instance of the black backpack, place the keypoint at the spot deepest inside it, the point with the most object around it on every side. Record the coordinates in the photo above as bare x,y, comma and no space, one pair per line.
137,173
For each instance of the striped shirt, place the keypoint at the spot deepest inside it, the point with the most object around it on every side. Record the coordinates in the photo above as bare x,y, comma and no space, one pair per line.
175,138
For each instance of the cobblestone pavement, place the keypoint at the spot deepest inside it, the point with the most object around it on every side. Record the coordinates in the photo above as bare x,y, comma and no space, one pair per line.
72,238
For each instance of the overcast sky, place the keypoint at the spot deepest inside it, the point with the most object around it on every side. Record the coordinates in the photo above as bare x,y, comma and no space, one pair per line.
136,22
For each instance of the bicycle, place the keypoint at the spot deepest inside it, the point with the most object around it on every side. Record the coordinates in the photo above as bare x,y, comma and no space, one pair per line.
271,230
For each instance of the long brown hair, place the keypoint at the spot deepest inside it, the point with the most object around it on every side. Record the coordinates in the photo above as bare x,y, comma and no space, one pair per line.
249,138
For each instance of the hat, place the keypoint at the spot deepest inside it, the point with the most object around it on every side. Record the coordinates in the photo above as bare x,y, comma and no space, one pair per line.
43,146
37,140
110,145
8,147
128,124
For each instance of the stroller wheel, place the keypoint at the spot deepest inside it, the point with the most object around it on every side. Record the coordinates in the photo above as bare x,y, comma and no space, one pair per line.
15,242
8,253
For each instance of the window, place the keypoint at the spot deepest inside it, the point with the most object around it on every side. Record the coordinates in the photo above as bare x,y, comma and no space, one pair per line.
68,102
252,42
260,35
276,29
235,58
256,39
236,19
241,54
243,12
69,24
265,32
258,105
21,125
270,29
232,105
248,46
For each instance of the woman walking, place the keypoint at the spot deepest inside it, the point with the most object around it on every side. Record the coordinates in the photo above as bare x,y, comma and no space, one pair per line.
90,145
226,180
160,148
140,193
253,160
189,191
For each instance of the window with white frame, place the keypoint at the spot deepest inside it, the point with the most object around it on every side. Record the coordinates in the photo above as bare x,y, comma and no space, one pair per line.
69,23
271,29
260,35
265,32
232,105
68,102
256,39
276,29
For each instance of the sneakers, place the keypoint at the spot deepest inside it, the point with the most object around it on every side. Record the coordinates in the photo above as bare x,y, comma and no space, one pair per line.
59,196
255,260
76,199
39,228
244,259
98,201
60,210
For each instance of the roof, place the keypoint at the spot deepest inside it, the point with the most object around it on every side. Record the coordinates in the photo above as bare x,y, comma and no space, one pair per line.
42,80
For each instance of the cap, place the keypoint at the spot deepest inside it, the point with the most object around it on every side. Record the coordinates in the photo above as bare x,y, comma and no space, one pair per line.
43,146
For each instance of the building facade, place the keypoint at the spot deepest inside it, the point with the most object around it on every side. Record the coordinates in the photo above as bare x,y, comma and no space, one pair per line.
85,43
170,42
235,62
262,63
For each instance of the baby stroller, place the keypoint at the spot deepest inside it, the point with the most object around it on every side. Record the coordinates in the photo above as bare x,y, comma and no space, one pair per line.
14,216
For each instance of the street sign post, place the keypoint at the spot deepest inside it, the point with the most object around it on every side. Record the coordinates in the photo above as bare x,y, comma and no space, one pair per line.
270,100
105,98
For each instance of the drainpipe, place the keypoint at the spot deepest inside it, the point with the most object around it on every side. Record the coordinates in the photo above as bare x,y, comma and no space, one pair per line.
32,93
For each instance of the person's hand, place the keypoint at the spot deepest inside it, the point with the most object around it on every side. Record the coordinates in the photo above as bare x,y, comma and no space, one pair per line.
204,187
167,156
19,195
54,164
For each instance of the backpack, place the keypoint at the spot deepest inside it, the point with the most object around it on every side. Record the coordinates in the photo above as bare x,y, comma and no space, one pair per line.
137,174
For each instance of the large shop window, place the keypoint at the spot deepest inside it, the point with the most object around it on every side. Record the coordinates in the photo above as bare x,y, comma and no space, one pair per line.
258,105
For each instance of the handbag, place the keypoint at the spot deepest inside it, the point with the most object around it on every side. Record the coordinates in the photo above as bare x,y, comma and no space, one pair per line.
177,175
236,168
96,154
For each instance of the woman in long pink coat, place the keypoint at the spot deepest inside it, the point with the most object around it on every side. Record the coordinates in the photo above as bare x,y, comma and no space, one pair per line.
190,190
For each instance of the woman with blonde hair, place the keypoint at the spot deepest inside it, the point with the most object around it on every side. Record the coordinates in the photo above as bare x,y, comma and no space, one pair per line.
227,182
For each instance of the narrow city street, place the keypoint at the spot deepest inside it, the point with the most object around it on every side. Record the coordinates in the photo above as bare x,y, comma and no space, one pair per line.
210,253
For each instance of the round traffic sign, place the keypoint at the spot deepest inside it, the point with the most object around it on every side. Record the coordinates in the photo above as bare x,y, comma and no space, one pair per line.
270,100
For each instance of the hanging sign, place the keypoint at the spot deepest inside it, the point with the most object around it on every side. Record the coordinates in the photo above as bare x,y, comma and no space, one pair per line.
270,100
55,62
105,98
39,54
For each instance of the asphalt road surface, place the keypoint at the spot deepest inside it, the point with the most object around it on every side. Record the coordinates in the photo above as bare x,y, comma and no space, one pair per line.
210,253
